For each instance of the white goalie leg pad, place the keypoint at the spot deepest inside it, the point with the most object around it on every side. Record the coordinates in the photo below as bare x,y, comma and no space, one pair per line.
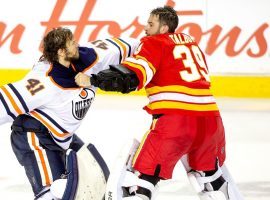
123,164
93,174
132,181
233,190
214,195
228,190
87,174
201,182
58,188
46,194
200,185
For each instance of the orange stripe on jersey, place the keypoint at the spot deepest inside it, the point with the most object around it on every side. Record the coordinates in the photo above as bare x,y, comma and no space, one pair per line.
61,135
178,89
50,69
92,64
123,47
139,67
12,101
41,157
149,63
73,67
183,106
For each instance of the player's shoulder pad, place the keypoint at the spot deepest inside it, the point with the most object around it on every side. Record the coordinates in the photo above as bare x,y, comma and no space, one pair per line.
87,56
154,40
41,67
130,41
38,74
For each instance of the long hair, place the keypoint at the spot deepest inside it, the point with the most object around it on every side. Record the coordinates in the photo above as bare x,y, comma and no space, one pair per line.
56,39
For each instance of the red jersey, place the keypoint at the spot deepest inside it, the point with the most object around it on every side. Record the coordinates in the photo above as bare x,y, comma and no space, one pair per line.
173,70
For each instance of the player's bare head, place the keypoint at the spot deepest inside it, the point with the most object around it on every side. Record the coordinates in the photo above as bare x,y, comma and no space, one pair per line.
56,39
166,16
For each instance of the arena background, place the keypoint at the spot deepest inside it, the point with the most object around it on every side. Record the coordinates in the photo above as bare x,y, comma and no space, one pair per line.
234,35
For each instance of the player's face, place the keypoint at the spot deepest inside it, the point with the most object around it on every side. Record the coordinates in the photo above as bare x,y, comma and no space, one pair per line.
72,50
153,25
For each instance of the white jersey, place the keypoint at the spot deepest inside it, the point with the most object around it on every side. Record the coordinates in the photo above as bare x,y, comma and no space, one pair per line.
50,94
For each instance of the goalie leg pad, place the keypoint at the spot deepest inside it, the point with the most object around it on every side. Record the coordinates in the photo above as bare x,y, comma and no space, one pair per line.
93,174
219,186
114,190
125,183
72,177
233,190
139,187
87,174
229,187
202,185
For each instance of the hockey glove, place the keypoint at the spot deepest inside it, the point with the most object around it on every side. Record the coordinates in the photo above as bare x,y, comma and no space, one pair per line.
117,78
108,80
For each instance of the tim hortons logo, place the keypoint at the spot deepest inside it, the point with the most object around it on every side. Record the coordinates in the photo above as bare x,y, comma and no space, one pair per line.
216,36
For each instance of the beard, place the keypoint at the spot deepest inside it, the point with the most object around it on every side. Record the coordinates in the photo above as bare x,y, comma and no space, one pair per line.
155,33
71,57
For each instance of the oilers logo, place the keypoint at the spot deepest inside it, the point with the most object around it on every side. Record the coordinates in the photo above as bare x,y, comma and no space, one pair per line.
81,105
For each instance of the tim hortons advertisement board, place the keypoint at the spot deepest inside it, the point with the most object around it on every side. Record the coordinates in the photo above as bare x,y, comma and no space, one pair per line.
234,35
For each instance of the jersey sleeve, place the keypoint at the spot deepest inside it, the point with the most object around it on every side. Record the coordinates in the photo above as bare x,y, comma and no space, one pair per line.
23,96
111,52
145,60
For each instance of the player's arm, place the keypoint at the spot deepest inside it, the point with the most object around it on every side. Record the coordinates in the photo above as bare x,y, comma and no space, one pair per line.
117,78
110,51
22,97
12,102
5,114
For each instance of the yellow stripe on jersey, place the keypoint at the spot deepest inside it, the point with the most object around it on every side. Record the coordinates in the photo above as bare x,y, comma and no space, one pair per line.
143,140
123,47
140,147
139,67
149,63
178,88
12,101
182,106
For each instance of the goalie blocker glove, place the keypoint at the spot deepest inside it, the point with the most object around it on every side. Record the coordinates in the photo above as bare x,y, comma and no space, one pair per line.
117,78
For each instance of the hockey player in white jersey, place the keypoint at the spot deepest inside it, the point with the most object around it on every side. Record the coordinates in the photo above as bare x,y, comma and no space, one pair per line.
46,107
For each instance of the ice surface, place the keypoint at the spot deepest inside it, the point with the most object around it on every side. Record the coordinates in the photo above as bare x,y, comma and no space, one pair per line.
114,119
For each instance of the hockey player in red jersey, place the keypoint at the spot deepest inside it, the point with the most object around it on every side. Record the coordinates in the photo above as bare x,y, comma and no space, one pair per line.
186,120
46,107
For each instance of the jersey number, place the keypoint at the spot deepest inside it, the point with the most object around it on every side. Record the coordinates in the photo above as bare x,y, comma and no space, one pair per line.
34,86
195,66
100,44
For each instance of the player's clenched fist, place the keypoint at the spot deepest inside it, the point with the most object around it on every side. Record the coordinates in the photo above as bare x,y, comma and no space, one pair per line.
82,80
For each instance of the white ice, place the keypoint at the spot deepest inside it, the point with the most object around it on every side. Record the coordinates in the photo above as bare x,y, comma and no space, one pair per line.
112,120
